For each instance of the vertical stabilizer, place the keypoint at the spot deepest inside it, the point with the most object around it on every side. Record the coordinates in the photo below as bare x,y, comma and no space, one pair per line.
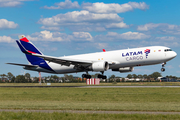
26,46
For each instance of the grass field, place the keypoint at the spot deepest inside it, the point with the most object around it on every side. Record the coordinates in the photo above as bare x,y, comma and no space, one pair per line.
72,116
119,99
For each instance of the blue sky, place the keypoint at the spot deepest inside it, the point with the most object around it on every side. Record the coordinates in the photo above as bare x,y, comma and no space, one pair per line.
68,27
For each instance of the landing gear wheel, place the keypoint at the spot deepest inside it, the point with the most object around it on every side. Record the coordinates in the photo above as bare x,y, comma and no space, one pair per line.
162,69
101,76
104,77
86,76
83,75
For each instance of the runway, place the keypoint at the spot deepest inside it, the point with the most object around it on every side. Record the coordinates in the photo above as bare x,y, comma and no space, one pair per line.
128,86
94,86
92,112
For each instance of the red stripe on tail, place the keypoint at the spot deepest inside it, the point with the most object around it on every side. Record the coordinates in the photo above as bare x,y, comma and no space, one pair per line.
31,52
24,39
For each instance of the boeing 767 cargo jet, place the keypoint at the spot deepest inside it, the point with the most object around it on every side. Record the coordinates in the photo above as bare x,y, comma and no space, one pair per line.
119,60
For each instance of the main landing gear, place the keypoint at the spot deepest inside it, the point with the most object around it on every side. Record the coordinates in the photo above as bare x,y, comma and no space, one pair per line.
101,76
163,65
89,76
86,76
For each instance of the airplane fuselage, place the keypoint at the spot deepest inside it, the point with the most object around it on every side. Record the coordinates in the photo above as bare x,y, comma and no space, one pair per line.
118,58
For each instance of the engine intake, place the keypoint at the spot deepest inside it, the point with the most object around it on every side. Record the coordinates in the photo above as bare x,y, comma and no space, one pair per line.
100,66
123,70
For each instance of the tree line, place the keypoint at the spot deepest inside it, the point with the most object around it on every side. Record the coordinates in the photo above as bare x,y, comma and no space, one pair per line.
18,79
133,77
154,75
26,78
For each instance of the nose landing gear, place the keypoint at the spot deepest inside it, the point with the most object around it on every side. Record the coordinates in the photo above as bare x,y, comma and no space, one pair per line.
163,65
162,69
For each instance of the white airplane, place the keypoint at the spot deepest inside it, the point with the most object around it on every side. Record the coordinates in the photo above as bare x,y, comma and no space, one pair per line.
119,60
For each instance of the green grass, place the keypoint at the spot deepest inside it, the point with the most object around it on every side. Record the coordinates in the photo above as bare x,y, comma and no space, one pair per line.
73,116
119,99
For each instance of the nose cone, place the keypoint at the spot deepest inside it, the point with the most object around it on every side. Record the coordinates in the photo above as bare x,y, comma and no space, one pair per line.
174,54
170,55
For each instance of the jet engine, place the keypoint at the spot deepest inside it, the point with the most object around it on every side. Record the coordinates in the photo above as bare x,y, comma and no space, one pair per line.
100,66
124,69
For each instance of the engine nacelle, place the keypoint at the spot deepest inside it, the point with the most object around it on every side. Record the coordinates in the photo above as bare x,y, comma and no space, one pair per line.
100,66
125,69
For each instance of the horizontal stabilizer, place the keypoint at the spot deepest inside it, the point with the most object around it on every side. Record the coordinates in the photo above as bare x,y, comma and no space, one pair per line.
23,65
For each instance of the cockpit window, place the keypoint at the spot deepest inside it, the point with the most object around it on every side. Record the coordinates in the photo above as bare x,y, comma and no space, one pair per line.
167,50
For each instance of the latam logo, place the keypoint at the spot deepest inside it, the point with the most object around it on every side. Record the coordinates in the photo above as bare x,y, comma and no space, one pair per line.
132,53
147,51
133,56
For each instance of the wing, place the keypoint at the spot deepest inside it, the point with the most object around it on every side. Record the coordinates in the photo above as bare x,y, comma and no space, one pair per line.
65,61
79,64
